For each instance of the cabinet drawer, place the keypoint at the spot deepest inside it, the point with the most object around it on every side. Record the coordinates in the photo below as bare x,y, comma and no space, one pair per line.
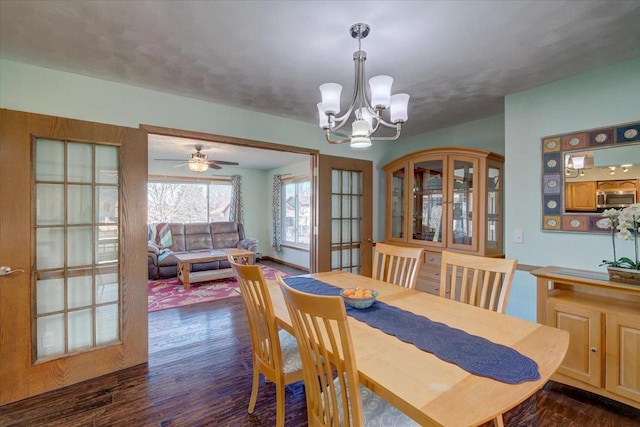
428,286
432,259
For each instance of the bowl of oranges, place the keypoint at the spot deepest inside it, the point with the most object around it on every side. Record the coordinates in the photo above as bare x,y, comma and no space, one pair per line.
359,297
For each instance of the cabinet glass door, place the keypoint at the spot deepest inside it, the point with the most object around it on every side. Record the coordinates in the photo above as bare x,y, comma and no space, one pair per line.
462,201
427,201
397,204
494,209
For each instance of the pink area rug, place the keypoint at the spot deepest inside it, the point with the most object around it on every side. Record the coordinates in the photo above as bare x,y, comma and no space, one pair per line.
169,293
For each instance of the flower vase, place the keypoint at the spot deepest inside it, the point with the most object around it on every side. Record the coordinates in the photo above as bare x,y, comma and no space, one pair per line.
624,275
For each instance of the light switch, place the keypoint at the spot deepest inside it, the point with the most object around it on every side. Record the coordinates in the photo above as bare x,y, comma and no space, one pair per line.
518,236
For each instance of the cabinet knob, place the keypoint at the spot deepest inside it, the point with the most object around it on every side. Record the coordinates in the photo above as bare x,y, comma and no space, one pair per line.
593,349
437,274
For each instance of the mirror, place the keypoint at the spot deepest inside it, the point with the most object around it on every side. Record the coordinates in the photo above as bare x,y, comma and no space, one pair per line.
586,172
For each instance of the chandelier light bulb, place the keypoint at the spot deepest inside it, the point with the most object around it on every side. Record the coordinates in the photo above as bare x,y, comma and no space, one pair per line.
331,97
380,91
324,119
399,104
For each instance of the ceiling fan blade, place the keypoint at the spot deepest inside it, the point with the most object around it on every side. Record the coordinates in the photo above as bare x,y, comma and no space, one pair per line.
214,166
170,160
222,162
181,164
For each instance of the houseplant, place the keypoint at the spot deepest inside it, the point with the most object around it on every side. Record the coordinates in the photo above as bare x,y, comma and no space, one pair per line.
624,224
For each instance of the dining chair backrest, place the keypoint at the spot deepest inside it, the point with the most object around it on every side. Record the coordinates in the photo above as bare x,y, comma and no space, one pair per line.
328,359
396,264
275,352
481,281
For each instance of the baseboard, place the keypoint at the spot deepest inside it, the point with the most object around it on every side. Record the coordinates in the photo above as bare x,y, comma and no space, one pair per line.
288,264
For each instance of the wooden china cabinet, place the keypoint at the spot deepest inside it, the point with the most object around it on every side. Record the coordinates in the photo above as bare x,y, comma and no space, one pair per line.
445,198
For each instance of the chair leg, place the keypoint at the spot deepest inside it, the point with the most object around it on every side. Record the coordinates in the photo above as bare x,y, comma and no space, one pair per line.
498,422
280,404
254,387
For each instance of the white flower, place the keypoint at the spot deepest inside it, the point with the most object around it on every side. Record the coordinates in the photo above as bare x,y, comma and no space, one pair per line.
611,213
624,234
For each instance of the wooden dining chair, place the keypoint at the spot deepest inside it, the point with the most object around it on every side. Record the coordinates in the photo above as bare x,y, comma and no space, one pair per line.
275,352
328,360
481,281
397,265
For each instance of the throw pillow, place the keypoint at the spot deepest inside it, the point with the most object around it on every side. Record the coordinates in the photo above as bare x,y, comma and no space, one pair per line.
164,235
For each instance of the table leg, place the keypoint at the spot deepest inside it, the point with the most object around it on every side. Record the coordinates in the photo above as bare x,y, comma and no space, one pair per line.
183,274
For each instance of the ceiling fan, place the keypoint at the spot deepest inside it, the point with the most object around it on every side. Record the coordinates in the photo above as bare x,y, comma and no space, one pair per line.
198,162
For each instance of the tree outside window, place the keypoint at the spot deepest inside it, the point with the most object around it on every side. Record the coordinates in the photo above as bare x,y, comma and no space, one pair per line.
296,205
188,201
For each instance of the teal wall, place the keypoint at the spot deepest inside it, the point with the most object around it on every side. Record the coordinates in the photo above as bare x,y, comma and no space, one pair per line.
598,98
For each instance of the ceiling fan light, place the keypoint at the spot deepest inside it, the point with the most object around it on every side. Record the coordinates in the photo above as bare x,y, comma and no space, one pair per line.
399,106
198,166
380,91
331,97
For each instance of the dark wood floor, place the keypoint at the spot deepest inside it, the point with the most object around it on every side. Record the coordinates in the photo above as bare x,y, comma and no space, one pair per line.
199,374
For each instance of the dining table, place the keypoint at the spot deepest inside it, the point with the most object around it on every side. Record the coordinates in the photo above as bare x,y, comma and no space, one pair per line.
430,390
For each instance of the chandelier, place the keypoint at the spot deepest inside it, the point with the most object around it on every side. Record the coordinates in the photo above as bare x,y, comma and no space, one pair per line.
367,118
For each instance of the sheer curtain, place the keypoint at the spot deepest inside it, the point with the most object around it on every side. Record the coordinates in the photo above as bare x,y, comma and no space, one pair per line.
236,209
277,212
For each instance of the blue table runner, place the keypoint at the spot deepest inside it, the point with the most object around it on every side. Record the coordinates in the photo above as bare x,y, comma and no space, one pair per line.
472,353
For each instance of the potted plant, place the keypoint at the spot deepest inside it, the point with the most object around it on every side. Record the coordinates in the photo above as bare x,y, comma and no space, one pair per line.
624,224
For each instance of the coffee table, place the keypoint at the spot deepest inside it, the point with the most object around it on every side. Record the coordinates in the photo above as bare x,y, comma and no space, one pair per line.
187,277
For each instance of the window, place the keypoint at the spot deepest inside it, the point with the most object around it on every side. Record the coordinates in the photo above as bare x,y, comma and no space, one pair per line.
188,201
296,205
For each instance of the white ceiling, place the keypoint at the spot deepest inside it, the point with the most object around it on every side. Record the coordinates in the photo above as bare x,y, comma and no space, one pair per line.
457,59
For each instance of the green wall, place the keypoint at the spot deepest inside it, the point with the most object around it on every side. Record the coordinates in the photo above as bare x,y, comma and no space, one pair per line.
598,98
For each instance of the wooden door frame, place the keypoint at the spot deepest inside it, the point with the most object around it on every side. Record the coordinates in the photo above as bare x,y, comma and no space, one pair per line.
251,143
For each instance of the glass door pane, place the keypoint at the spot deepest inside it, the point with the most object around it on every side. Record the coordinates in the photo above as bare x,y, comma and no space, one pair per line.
463,202
77,247
397,205
346,214
427,201
494,208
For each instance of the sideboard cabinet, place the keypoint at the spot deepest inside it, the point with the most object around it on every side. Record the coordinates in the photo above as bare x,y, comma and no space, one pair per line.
445,198
603,321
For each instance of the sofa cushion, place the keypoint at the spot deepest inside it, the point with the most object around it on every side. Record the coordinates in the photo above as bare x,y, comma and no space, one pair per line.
177,236
225,234
197,236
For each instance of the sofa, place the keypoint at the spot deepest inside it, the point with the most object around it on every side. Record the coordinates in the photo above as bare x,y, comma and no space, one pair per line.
167,239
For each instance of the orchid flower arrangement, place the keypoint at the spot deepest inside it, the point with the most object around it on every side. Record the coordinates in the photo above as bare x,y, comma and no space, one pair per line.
624,224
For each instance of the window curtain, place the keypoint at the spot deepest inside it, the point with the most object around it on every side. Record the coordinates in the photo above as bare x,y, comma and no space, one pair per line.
236,210
277,212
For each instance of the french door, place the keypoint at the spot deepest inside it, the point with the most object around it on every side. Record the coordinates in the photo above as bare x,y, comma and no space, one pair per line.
344,207
73,300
